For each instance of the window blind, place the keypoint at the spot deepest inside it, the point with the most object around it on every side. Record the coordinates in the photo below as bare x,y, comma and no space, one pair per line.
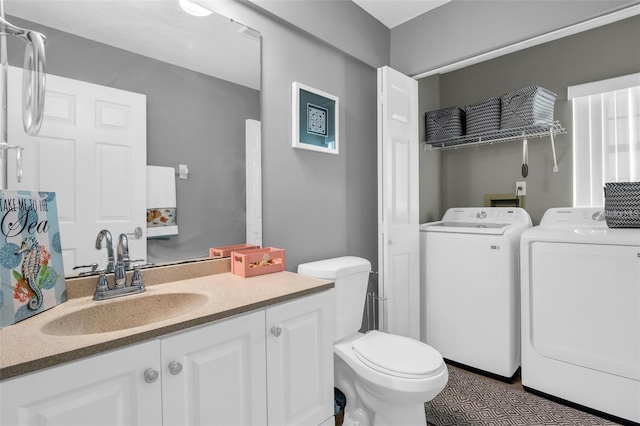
606,139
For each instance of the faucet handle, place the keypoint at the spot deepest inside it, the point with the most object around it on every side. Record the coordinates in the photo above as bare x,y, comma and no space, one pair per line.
102,284
136,278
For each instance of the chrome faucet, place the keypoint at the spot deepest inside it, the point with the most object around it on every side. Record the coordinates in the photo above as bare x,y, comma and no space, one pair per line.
106,235
120,287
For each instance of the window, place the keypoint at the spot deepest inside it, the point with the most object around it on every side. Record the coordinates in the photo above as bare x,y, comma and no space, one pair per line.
606,138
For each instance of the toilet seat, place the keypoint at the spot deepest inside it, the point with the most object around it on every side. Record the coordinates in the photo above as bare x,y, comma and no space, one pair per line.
397,356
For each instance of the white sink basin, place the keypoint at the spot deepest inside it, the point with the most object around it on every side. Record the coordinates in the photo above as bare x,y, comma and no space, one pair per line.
123,313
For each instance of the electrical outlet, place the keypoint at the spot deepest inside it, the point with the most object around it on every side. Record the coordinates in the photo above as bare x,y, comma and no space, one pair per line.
521,188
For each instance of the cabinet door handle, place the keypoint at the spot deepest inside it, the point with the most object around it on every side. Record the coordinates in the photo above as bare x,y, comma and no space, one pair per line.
175,367
276,331
150,375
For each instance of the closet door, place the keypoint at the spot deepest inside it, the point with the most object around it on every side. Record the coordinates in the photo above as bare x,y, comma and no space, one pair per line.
398,204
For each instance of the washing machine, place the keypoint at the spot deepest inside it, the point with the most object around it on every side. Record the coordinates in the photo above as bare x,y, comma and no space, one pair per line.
470,287
581,312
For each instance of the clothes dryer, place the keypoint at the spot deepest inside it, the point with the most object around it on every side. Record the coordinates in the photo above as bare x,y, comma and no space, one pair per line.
581,312
470,285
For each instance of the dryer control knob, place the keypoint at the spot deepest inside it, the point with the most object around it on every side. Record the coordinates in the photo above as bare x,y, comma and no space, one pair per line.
481,214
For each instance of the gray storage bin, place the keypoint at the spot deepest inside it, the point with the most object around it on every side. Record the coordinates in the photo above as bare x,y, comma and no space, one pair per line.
444,123
530,106
622,204
482,117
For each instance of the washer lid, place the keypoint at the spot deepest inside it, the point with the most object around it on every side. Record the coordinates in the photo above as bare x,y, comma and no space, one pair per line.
468,227
397,355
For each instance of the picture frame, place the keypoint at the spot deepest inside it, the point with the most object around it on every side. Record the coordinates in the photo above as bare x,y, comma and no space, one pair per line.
314,120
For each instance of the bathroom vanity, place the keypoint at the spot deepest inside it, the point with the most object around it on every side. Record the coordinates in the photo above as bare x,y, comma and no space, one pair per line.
218,349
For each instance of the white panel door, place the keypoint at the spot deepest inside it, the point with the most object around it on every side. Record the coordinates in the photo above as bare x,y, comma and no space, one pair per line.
398,204
223,379
107,389
253,132
91,151
300,361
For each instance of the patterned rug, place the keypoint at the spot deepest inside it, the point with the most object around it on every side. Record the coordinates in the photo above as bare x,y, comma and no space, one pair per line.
471,399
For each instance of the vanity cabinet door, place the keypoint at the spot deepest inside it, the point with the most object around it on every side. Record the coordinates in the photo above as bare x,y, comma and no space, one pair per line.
300,360
105,389
215,374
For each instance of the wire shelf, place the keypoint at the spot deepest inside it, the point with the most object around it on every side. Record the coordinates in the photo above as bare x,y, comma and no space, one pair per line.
498,136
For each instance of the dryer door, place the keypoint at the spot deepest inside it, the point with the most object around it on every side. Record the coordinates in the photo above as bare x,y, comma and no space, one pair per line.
585,305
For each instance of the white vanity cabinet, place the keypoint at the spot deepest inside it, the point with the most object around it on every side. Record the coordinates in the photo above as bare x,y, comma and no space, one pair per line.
272,366
105,389
215,374
300,360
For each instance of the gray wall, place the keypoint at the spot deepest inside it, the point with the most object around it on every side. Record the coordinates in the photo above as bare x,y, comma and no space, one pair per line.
341,24
192,119
315,205
318,205
468,174
464,28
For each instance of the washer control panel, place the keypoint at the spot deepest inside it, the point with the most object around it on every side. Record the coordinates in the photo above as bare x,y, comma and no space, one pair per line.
510,215
575,216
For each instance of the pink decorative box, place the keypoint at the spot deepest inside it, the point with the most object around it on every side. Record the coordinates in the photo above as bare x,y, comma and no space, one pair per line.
225,251
249,263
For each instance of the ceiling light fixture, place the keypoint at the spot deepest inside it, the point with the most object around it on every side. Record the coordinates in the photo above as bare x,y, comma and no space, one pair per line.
194,9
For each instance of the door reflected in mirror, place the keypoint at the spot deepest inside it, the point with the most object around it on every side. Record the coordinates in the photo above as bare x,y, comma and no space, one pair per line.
199,78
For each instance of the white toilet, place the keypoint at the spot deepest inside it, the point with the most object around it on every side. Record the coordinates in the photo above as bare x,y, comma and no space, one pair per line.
386,378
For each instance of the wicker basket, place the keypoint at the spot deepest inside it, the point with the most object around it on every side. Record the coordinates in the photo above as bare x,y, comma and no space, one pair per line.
483,117
622,204
444,123
530,106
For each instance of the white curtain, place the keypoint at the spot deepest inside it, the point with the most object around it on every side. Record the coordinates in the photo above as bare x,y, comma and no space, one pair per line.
606,138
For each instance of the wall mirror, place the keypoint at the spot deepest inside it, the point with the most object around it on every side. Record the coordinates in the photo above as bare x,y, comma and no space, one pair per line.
201,80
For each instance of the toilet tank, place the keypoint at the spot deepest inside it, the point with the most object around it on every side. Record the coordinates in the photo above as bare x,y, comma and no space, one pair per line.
351,277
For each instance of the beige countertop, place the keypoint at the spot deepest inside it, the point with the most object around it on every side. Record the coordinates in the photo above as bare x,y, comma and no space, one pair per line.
27,347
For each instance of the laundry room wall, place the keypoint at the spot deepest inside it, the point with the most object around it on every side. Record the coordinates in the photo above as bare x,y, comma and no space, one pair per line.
462,29
468,174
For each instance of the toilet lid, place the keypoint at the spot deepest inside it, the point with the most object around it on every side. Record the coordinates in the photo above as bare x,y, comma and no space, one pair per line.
397,355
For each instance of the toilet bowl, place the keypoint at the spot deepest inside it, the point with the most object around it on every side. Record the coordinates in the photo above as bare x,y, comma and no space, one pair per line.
392,377
386,378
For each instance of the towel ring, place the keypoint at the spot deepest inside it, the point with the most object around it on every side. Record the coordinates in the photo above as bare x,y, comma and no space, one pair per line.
33,84
33,77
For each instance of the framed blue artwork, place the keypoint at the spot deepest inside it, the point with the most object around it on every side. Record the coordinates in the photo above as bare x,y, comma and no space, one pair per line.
314,119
